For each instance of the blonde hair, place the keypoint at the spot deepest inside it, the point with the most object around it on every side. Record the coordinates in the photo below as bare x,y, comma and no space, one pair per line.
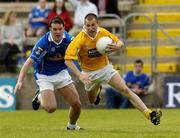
7,17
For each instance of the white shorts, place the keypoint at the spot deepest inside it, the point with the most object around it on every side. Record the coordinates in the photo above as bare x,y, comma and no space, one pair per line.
53,82
99,76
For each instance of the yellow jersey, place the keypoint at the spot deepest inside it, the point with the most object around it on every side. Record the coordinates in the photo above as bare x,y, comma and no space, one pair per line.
83,47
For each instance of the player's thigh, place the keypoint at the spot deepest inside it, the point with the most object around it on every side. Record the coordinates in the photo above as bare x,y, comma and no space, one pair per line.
46,88
70,94
117,82
48,98
92,94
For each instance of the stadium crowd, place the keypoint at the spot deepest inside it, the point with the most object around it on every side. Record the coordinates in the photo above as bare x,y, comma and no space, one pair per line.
14,46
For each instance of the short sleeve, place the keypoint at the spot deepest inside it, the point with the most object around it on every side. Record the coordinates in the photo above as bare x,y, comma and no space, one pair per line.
38,51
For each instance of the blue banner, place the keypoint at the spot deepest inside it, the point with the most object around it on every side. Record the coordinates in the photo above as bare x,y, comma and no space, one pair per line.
172,92
7,96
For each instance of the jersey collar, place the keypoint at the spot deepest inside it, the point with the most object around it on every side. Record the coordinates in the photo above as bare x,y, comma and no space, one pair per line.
135,74
50,38
84,30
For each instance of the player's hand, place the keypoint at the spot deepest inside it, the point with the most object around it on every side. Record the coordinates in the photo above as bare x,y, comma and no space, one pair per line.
18,86
85,78
111,48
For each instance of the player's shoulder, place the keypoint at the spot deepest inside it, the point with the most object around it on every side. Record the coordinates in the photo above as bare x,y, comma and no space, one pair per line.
145,75
101,29
34,8
80,36
45,38
130,72
68,37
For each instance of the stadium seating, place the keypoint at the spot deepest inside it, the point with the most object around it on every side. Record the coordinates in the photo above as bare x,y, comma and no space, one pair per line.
145,51
139,36
111,22
21,8
140,33
159,2
161,17
146,33
169,67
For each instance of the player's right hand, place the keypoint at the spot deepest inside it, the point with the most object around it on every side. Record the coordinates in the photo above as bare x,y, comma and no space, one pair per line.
18,86
85,78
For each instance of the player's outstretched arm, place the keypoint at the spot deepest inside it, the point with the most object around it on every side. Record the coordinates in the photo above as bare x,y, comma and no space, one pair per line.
29,62
83,77
72,66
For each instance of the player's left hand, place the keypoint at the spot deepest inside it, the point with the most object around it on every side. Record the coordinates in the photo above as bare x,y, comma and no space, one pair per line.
18,86
112,47
85,78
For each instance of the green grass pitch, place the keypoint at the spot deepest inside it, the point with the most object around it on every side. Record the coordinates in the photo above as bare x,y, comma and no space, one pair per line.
128,123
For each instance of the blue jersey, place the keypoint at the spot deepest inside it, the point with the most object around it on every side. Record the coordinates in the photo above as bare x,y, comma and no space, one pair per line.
141,80
49,55
37,13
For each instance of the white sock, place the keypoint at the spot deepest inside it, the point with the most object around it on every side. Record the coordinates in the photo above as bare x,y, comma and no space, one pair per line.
72,125
145,110
39,98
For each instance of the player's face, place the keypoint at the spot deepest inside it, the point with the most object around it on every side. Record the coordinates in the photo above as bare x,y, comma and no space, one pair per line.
91,27
138,68
57,31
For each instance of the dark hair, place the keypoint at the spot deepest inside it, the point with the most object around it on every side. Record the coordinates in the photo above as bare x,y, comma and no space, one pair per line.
91,16
57,20
139,61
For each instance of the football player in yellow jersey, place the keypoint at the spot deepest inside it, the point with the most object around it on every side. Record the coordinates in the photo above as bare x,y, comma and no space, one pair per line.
96,68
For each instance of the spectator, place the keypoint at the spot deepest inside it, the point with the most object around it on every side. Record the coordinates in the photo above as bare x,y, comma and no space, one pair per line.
136,80
82,8
9,0
12,38
59,9
38,19
107,6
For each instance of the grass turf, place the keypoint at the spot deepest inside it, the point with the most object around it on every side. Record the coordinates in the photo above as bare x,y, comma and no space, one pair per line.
98,123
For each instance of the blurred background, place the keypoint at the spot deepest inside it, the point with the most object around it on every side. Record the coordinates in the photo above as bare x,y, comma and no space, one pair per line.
150,30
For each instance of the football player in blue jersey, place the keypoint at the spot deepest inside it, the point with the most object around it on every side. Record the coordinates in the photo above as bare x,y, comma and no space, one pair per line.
51,72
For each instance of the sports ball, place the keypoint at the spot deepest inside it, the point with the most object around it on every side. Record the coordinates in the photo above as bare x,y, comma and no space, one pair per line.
102,43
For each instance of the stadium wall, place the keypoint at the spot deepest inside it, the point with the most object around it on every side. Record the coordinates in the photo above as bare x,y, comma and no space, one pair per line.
165,92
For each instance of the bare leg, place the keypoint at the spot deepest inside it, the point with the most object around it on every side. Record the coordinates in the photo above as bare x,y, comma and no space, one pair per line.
70,94
118,83
92,95
48,101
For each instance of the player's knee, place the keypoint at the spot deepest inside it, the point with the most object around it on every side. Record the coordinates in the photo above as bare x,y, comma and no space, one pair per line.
92,99
50,109
125,90
76,105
